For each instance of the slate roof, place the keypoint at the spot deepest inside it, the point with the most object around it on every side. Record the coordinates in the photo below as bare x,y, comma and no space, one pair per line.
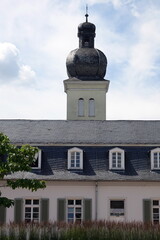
81,132
96,139
95,165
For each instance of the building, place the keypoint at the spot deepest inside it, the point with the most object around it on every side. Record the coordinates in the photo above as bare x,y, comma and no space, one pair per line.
95,169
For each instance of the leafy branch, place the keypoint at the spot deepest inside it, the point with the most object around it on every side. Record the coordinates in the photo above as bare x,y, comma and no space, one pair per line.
17,159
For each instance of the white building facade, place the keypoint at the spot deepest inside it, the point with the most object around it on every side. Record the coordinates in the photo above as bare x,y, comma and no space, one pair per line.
104,201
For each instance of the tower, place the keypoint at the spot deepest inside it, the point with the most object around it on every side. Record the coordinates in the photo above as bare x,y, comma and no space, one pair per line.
86,87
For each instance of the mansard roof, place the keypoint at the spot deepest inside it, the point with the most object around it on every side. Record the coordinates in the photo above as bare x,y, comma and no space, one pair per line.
96,139
50,132
95,165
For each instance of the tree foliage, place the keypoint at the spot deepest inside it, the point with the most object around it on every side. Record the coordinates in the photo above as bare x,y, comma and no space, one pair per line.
16,159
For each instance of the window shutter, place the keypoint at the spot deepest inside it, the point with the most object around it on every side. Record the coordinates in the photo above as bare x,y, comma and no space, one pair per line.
87,209
44,210
146,210
61,211
2,214
18,210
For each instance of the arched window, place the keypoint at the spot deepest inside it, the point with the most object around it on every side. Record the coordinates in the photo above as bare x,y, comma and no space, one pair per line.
91,107
80,107
116,159
86,42
38,158
75,158
155,158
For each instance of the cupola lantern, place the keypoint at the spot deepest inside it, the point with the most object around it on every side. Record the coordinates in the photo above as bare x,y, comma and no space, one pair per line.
86,87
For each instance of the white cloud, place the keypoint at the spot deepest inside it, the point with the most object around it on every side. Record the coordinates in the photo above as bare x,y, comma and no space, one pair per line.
26,73
30,103
134,89
116,3
7,50
11,68
144,52
129,104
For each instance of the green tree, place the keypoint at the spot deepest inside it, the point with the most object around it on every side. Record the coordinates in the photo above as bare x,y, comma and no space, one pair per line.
16,159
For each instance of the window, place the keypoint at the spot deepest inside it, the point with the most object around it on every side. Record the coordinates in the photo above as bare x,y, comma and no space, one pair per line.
32,208
117,209
116,159
91,108
81,107
28,209
75,158
156,211
155,158
37,163
74,210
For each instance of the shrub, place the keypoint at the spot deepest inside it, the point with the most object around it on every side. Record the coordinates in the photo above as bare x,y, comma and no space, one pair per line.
100,230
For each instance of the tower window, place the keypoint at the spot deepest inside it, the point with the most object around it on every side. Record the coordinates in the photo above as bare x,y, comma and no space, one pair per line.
91,107
81,107
86,42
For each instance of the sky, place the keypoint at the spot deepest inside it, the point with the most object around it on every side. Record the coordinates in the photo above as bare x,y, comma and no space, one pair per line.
37,35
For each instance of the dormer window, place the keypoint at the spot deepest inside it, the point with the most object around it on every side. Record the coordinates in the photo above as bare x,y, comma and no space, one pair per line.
116,159
37,163
75,158
155,158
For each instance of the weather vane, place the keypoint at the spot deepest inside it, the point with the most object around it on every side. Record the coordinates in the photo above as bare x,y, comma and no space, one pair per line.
86,15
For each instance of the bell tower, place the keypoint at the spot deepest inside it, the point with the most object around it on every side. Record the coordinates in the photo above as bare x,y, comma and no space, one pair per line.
86,87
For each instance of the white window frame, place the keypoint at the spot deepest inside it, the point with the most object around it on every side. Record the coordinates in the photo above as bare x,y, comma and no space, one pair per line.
116,151
119,212
70,154
153,151
154,219
39,156
74,206
32,206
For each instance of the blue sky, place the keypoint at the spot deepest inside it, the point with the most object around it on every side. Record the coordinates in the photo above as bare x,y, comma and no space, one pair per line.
37,35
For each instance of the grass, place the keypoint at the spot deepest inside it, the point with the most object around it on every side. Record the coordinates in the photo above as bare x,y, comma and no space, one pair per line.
100,230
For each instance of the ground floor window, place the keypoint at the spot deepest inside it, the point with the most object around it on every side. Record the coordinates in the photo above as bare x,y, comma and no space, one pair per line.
74,210
32,210
117,209
156,211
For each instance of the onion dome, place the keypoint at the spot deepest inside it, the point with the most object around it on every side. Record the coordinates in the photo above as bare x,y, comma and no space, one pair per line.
86,62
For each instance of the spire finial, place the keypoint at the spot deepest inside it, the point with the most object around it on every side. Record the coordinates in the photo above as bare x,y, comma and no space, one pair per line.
86,15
